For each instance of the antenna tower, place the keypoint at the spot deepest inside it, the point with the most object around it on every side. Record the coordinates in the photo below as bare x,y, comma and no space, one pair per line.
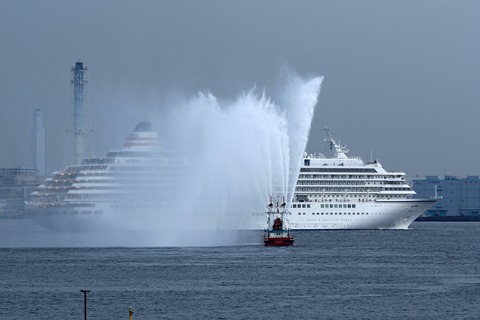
82,141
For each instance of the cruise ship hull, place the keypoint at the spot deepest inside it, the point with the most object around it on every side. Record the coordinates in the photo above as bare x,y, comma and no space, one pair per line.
380,214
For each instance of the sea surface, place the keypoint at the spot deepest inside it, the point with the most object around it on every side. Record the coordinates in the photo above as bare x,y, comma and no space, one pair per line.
431,271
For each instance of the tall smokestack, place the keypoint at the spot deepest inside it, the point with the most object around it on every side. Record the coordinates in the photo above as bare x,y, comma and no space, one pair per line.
39,142
80,125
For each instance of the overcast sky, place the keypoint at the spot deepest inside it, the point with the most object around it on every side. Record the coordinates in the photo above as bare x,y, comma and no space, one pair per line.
400,76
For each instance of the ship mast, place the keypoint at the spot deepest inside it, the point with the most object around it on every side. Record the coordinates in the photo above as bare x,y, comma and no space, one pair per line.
340,150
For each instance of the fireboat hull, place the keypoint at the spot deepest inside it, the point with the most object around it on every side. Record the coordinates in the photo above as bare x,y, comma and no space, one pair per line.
278,242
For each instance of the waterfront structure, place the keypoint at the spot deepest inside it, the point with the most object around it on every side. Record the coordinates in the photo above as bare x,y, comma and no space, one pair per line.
342,192
16,185
458,198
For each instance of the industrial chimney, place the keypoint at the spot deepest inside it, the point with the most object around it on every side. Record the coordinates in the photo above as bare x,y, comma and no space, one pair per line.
39,143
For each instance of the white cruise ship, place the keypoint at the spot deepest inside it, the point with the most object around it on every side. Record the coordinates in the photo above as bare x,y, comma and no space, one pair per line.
110,191
342,192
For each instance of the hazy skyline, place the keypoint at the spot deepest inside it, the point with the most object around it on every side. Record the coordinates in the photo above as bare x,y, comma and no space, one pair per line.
400,76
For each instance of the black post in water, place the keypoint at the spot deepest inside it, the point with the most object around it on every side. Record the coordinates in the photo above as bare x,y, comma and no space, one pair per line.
85,302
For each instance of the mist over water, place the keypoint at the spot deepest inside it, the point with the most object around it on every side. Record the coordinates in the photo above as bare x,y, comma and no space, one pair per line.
223,160
238,153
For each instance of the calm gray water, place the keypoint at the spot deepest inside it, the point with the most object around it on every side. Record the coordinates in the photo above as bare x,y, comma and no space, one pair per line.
431,271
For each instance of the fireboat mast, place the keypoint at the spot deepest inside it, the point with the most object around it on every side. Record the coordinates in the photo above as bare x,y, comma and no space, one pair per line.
276,233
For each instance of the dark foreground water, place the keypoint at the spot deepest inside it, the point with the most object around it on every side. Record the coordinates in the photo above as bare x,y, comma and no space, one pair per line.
431,271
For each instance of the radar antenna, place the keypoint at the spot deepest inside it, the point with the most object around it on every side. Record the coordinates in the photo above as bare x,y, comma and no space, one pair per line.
340,149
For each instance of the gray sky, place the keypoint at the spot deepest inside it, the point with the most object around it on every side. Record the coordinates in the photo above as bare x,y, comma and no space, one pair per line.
400,76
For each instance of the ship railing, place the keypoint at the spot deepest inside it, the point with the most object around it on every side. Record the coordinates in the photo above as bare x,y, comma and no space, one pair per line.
330,201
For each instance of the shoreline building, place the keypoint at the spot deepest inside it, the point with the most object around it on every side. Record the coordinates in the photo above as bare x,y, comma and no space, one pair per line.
457,198
16,187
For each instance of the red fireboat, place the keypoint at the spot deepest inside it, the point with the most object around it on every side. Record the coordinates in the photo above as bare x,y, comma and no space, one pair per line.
275,234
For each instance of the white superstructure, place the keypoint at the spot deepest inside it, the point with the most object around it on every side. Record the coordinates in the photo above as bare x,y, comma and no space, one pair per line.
342,192
106,191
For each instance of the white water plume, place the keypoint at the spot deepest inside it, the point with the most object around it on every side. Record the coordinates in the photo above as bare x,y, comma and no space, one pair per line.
300,102
217,166
238,154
